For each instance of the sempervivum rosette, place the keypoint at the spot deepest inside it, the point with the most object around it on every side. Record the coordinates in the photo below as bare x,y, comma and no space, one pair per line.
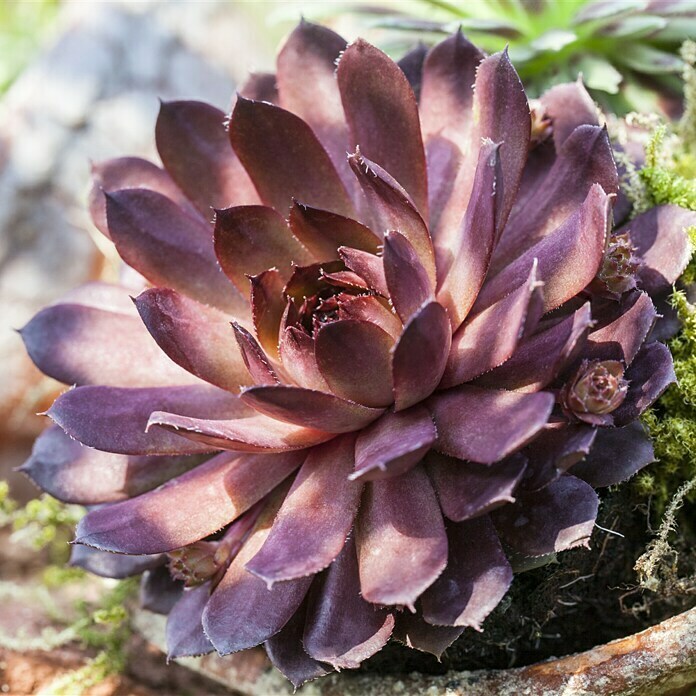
441,348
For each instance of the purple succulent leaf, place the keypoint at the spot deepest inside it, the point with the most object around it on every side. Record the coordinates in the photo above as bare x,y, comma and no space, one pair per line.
158,592
187,508
585,162
393,444
258,367
307,86
568,106
401,540
554,451
130,172
287,653
252,238
193,145
650,374
310,408
323,232
420,355
341,627
486,425
73,473
568,258
369,308
411,65
195,336
540,160
618,454
256,433
447,92
115,420
354,358
500,328
260,86
367,266
502,116
463,261
79,344
476,578
560,516
314,520
347,280
393,209
185,635
407,280
299,361
382,115
267,308
111,565
284,158
156,238
412,630
467,490
661,242
539,359
623,335
242,612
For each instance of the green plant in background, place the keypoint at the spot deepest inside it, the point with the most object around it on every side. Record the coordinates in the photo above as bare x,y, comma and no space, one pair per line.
23,25
626,50
101,626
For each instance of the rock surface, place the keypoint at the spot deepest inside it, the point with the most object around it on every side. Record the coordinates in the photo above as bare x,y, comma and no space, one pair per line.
660,660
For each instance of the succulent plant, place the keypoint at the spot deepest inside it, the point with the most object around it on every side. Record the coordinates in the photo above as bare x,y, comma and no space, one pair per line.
434,378
627,50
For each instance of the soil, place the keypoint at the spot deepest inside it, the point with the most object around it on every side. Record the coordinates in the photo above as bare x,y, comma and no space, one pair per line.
587,598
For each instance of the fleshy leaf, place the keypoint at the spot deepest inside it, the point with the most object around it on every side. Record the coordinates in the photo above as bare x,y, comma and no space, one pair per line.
115,420
287,653
309,408
252,238
323,232
555,518
194,148
618,454
187,508
111,565
540,358
195,336
354,358
307,86
499,328
393,444
342,628
156,238
242,612
467,490
77,474
400,534
420,355
314,520
284,158
185,635
382,115
78,344
476,578
485,425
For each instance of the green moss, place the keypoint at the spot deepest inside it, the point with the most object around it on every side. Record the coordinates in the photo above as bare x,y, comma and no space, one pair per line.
672,421
668,177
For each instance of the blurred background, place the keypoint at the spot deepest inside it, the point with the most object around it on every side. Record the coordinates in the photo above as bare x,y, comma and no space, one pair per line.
80,82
